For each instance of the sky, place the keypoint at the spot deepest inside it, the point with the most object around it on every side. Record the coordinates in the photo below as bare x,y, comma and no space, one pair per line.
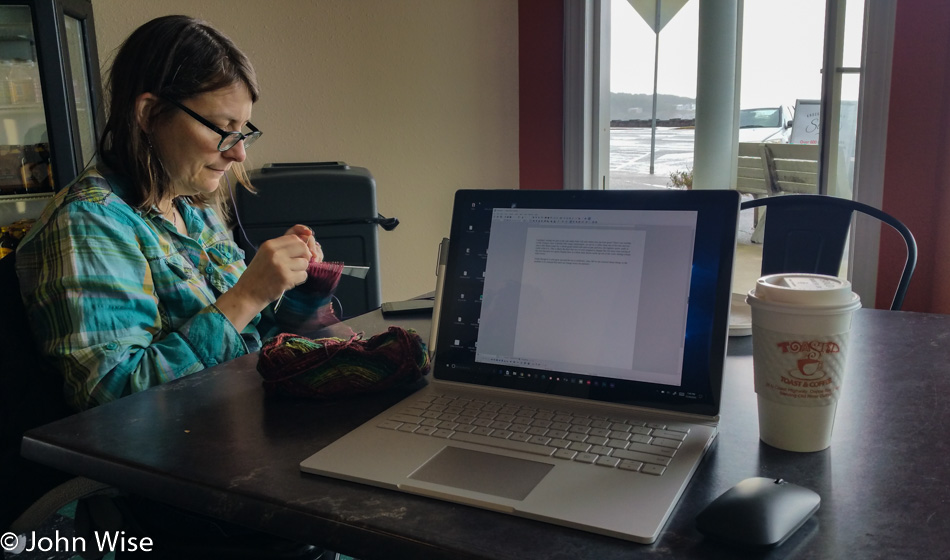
781,51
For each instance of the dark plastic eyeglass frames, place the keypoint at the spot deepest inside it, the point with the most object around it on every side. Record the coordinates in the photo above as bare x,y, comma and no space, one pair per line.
228,139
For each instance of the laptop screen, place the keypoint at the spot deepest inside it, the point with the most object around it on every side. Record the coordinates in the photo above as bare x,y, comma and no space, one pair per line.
618,296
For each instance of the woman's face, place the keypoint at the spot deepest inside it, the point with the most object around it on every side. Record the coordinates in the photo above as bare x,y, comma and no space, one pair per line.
189,149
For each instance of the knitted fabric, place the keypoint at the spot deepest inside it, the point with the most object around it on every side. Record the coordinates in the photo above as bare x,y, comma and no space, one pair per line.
322,276
330,368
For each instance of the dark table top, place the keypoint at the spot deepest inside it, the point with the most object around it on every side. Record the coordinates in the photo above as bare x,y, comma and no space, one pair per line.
213,443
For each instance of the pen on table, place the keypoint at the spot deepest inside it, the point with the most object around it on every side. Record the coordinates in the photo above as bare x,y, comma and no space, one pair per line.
439,286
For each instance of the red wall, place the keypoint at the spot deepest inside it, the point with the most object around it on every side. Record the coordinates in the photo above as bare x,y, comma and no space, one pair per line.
916,169
541,87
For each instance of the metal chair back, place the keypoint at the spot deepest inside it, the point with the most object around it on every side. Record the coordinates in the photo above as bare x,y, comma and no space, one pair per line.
808,233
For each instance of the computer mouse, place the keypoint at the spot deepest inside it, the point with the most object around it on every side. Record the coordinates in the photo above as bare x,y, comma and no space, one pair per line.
758,512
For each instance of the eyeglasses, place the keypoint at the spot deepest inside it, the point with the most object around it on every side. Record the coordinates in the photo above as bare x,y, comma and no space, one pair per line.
228,139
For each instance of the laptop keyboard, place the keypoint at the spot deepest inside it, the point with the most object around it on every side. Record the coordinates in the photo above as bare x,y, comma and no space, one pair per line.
622,443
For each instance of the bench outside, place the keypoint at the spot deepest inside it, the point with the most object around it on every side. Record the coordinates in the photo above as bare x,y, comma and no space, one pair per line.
771,169
775,169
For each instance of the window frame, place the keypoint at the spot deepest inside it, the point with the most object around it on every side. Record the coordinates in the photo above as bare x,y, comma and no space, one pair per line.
586,139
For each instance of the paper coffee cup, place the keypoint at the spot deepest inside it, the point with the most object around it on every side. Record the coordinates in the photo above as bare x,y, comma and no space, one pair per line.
800,327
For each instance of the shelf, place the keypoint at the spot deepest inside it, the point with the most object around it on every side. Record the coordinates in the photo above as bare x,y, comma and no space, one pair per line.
59,116
25,197
15,207
23,108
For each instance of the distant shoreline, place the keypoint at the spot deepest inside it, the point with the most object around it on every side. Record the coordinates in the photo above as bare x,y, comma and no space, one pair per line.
648,123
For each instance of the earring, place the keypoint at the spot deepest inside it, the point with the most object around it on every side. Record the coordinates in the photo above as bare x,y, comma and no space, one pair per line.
148,159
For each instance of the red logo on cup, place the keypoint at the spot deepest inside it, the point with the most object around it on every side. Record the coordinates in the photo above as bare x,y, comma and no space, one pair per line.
808,367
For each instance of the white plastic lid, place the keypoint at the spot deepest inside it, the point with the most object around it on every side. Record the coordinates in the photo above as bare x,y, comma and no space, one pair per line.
804,289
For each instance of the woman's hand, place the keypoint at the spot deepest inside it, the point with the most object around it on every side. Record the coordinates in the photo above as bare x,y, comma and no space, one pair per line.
279,265
306,235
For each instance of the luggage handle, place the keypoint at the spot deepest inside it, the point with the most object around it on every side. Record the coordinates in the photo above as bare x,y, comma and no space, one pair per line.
275,167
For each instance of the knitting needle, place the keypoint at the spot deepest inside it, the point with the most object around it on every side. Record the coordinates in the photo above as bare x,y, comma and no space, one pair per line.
281,298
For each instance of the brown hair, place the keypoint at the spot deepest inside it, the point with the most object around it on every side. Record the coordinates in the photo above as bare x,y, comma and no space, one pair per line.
173,57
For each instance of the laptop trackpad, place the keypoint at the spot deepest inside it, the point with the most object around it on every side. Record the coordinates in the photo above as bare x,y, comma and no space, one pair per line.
476,471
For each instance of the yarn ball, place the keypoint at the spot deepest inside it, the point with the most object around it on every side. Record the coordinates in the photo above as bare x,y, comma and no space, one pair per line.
332,368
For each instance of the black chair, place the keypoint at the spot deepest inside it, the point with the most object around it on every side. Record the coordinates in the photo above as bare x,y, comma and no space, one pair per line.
808,233
32,395
338,202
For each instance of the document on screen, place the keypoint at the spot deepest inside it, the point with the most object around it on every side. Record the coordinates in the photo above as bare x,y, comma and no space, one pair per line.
596,292
559,322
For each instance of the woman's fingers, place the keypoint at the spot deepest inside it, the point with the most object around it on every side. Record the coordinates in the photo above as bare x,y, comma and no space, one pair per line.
292,246
306,235
280,264
316,251
300,230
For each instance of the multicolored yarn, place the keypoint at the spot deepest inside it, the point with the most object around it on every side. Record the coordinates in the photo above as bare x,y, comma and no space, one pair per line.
331,368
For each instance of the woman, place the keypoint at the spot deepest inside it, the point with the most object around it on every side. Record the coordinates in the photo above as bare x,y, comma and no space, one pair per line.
130,277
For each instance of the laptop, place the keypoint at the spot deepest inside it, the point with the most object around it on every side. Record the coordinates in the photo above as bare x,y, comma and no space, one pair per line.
579,360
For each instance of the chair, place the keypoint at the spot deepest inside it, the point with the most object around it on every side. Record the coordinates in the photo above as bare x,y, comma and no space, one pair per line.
808,233
31,395
338,202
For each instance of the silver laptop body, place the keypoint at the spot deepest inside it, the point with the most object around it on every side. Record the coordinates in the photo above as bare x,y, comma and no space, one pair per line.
577,376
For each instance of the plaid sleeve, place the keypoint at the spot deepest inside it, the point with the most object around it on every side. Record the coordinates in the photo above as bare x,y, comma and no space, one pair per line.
94,300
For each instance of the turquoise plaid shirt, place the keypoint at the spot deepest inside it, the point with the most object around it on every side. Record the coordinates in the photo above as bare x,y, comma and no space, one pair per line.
119,301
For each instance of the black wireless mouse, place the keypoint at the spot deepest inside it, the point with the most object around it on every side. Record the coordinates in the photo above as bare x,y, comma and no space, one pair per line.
758,512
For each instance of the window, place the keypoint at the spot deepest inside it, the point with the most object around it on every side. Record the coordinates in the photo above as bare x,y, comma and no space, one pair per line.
593,159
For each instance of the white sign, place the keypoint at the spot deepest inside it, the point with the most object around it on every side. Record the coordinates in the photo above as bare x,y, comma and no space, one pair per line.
806,123
647,10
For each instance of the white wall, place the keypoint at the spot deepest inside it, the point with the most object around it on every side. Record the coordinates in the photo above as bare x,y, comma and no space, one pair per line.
423,93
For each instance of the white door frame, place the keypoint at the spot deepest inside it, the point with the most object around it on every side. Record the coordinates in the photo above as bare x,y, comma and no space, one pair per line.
586,140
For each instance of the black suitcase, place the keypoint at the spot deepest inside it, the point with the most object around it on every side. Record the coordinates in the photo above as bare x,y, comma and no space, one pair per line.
338,202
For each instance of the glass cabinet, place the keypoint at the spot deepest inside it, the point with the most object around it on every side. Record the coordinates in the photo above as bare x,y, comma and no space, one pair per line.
50,100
